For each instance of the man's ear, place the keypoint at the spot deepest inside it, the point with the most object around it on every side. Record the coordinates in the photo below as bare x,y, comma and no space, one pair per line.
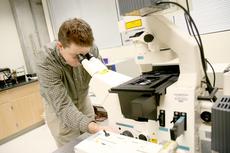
59,45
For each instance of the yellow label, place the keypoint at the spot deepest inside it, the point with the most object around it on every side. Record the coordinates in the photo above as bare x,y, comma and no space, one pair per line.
133,24
104,71
153,140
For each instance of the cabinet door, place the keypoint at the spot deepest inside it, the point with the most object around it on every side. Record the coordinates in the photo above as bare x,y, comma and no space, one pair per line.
37,107
3,97
8,123
37,104
23,112
20,108
27,104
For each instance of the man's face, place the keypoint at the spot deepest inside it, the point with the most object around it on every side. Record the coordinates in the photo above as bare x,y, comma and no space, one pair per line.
70,53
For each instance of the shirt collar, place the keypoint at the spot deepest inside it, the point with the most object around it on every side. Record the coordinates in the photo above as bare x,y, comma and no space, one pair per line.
60,56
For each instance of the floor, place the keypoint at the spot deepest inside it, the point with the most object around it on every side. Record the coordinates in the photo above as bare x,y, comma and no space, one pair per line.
38,140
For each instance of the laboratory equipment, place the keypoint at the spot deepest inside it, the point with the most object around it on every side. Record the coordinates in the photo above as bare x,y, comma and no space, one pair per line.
108,142
158,107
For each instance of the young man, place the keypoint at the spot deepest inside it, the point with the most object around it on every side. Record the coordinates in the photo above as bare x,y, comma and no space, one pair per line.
64,82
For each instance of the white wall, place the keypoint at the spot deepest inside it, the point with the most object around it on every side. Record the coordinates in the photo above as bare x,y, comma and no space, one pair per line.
100,14
10,52
217,47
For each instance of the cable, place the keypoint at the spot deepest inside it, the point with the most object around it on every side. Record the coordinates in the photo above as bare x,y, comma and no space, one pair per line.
192,21
198,40
186,21
185,17
214,76
210,88
214,73
187,5
193,33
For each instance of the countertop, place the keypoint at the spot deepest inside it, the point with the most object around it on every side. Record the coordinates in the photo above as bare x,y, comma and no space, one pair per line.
18,85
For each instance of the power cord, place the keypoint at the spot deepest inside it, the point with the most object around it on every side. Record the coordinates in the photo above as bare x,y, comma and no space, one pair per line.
192,26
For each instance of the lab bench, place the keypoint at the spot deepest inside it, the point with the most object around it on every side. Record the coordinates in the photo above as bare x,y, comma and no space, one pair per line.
21,109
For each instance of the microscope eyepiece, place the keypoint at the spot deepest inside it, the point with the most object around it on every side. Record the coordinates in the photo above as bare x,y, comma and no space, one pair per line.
88,56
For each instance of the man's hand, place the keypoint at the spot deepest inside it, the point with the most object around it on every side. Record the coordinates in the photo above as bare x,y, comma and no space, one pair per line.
94,127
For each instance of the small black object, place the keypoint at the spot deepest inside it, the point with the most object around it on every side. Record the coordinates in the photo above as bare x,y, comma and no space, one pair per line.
161,118
127,133
142,137
148,38
206,116
137,34
88,56
106,133
31,75
173,133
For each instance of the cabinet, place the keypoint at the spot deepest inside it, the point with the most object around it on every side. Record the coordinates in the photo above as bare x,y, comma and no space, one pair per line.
20,108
